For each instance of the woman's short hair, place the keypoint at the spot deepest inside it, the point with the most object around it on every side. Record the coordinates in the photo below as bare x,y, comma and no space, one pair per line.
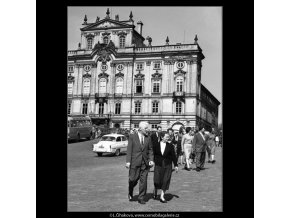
187,129
181,129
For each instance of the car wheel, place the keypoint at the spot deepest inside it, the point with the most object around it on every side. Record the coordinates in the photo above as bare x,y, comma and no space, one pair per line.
117,153
99,154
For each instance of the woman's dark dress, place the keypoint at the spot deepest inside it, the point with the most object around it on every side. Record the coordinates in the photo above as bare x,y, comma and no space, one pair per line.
163,166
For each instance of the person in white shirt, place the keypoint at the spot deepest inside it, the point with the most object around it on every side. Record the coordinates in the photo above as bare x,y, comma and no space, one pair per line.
164,156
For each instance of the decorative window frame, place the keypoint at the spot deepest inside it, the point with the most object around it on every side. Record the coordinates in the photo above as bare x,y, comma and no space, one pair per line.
99,81
115,106
87,68
158,103
157,68
68,68
120,67
90,37
160,86
138,102
119,77
122,37
178,63
139,63
122,33
175,106
105,67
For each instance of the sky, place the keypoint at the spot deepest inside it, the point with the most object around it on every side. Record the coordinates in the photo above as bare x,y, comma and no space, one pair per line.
180,24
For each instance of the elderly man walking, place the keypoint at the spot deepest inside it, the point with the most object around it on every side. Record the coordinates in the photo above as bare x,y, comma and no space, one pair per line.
199,147
138,160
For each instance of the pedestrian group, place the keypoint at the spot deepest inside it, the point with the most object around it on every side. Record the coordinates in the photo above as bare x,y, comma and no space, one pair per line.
161,150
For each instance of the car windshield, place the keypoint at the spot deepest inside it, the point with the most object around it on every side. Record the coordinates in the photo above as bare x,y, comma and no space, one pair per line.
108,138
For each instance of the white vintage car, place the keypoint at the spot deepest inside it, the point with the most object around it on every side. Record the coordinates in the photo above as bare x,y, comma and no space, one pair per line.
111,143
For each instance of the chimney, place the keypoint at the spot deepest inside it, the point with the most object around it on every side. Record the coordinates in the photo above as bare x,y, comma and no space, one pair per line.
117,17
139,27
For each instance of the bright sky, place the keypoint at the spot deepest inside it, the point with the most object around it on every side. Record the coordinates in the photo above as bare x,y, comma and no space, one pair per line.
180,24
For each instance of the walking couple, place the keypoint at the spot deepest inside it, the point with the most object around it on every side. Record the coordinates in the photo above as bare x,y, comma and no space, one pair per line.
142,153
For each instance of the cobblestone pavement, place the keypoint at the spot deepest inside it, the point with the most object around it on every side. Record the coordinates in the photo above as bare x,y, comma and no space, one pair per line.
101,184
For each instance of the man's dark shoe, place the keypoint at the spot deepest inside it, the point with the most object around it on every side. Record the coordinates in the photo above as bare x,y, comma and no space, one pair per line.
130,197
213,162
209,161
141,202
197,169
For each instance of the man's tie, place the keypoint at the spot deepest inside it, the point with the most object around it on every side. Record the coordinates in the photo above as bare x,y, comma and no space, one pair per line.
142,141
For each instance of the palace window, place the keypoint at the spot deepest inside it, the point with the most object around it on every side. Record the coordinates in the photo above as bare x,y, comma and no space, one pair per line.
68,108
122,41
157,65
156,86
106,40
70,69
137,108
154,126
179,84
89,43
120,67
85,108
118,108
69,88
155,107
104,67
178,107
180,65
139,66
86,86
101,108
119,85
139,86
136,125
103,85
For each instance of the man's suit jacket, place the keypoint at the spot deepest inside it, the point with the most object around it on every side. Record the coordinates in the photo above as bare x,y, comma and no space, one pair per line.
198,143
167,158
135,152
154,140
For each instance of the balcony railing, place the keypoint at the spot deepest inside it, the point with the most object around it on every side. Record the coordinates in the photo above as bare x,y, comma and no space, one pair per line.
85,95
142,49
178,93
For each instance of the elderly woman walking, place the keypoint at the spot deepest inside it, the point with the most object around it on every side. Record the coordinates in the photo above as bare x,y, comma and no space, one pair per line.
164,156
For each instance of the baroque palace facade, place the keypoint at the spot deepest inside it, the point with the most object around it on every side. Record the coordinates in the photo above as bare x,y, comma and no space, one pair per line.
116,79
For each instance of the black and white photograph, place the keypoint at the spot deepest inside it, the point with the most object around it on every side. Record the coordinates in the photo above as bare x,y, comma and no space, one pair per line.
144,109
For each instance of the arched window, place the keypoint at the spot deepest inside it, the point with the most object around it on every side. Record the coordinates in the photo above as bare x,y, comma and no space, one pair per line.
69,88
106,40
179,84
103,85
119,85
122,41
86,86
89,43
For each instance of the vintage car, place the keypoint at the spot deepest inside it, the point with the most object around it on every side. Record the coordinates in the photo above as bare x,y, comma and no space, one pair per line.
111,143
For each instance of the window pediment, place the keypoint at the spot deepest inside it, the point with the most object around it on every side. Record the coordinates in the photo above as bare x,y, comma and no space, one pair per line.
179,72
156,75
103,75
87,75
70,78
119,74
122,33
139,76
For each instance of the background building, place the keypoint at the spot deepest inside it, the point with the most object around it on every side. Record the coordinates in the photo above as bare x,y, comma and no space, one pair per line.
119,80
